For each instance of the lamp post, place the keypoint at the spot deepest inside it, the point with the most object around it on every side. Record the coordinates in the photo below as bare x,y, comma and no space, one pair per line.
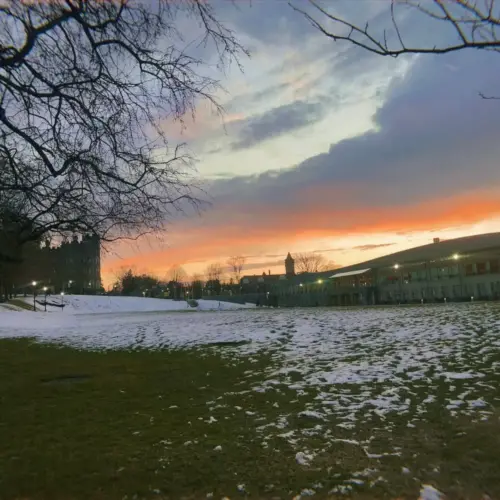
62,299
45,302
34,295
396,267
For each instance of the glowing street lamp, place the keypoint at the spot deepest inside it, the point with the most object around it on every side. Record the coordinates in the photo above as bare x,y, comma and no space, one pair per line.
62,298
45,301
320,281
396,266
456,256
34,295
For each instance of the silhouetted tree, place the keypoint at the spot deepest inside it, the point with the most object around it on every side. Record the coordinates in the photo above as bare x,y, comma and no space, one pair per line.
133,284
214,272
197,286
310,262
176,276
236,264
85,89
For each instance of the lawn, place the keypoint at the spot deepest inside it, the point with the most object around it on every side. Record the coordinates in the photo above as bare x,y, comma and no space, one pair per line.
333,412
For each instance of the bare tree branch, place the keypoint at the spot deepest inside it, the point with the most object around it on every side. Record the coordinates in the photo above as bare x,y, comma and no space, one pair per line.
311,262
474,24
86,88
235,264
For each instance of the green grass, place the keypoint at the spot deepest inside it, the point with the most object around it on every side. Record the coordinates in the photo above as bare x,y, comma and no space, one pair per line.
111,425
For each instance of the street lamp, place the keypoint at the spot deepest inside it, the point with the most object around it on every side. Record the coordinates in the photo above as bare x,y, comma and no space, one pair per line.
62,298
456,256
34,295
45,302
320,282
396,267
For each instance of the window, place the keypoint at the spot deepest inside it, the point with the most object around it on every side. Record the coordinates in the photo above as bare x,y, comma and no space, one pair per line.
481,267
494,267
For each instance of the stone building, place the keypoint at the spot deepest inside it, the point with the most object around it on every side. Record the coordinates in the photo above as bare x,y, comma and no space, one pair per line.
74,266
462,269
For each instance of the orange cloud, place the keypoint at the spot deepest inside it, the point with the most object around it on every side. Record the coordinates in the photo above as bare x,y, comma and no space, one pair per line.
195,246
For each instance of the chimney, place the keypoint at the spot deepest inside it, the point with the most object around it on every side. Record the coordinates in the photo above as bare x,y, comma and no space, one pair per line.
269,272
436,240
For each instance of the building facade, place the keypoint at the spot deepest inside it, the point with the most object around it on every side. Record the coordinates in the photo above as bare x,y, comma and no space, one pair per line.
463,269
74,266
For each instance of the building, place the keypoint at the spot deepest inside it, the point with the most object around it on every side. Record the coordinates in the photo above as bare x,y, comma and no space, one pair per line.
462,269
74,266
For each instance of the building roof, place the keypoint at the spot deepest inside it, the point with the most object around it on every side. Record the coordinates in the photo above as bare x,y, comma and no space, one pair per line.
350,273
433,251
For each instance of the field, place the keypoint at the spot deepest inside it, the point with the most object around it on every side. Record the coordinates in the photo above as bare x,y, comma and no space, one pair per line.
367,403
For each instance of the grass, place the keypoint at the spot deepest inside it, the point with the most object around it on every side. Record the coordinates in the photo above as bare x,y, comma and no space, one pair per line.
80,424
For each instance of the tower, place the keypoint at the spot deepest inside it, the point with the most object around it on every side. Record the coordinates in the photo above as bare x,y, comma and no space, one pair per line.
289,265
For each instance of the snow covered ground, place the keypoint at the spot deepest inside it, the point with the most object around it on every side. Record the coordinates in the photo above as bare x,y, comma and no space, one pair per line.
91,304
359,372
360,360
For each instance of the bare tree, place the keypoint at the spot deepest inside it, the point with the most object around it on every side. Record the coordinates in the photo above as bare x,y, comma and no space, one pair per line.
236,264
197,285
177,274
85,89
310,262
196,278
474,22
214,272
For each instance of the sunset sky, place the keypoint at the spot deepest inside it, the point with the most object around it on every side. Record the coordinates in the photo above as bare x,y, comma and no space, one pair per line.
325,147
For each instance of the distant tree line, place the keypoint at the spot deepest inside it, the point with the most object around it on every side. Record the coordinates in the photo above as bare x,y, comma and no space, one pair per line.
217,279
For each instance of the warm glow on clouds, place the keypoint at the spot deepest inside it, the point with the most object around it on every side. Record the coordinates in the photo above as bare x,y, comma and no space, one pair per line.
195,247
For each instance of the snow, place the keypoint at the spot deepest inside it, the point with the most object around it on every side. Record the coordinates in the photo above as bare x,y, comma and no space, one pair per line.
90,312
350,273
360,367
428,492
307,492
461,376
303,458
86,304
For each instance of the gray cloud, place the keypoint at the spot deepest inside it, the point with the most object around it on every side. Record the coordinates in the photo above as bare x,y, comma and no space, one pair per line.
434,138
250,98
364,248
276,122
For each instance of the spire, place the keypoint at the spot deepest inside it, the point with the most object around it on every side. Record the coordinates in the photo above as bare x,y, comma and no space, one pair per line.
289,265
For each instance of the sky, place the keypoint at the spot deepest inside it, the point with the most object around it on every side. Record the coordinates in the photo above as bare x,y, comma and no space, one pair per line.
325,147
